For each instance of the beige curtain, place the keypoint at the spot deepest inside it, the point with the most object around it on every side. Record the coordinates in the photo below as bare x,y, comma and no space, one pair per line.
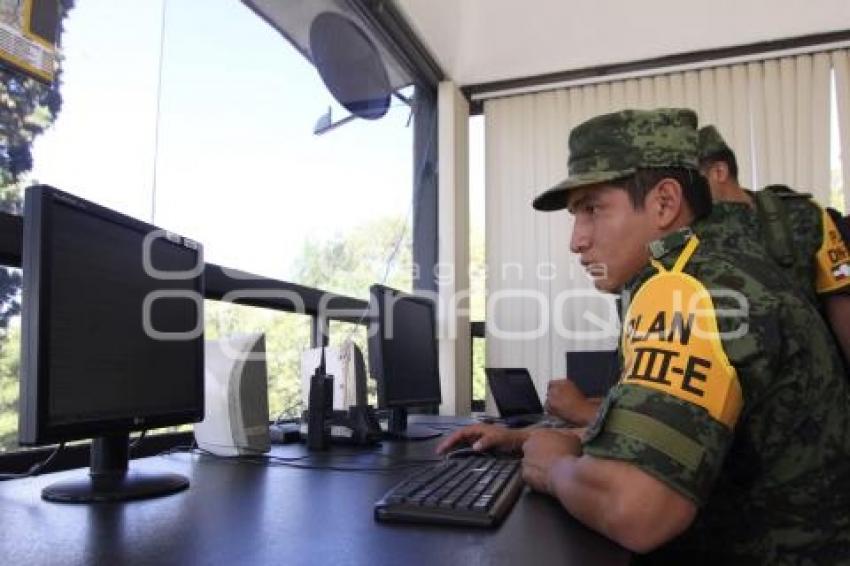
774,114
539,300
790,109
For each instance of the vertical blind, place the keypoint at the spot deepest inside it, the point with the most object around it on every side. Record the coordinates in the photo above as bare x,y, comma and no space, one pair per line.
775,114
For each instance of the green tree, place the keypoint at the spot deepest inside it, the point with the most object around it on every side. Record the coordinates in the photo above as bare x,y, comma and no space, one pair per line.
27,108
10,367
346,264
477,306
10,306
350,262
378,251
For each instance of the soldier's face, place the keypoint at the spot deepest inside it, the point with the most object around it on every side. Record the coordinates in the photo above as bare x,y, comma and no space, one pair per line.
610,235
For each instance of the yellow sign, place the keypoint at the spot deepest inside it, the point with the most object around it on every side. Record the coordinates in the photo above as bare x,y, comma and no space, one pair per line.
28,35
671,344
832,259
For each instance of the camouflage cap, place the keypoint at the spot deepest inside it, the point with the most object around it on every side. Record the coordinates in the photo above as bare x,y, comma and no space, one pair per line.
612,146
710,142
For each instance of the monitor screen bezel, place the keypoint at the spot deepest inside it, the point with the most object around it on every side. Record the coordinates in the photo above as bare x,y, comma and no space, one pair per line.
35,427
378,306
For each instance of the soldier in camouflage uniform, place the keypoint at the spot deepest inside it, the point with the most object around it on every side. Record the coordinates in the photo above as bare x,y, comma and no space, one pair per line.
796,232
727,438
790,228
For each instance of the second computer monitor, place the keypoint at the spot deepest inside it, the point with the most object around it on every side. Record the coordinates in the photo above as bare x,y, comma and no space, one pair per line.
403,356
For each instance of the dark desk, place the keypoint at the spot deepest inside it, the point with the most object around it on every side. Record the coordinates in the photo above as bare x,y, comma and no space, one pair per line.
239,513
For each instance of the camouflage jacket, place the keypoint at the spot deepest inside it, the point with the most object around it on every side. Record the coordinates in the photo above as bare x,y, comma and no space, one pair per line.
819,258
735,398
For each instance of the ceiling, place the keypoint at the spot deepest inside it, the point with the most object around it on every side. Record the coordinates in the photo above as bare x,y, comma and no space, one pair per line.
482,41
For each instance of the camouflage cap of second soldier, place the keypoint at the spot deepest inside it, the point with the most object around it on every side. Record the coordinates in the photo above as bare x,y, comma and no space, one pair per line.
710,142
613,146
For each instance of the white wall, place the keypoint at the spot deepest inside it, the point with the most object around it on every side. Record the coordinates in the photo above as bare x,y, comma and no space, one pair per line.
479,41
453,274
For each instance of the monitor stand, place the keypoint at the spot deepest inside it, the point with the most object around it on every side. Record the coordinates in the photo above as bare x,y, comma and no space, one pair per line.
109,479
398,428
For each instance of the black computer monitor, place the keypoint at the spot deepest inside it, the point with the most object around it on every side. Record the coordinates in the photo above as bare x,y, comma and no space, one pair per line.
594,371
403,357
112,338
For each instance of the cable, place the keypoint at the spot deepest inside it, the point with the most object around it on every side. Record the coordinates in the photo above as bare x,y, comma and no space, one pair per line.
397,464
388,264
299,461
438,427
282,416
175,449
36,468
332,468
138,440
194,449
415,203
158,103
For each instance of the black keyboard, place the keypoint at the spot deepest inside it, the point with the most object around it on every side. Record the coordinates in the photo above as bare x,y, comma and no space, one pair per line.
476,491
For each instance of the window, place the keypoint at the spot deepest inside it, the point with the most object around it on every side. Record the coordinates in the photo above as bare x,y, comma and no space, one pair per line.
477,267
199,118
215,140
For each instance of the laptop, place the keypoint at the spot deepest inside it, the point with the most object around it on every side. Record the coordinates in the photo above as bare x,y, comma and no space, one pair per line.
515,396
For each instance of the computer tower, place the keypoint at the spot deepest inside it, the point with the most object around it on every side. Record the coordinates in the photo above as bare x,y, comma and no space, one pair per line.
345,363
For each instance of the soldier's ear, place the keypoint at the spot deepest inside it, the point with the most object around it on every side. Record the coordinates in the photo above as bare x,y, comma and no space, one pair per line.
666,203
716,172
721,172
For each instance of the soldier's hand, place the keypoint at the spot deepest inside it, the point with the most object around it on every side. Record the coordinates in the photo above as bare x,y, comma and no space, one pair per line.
565,400
485,437
541,451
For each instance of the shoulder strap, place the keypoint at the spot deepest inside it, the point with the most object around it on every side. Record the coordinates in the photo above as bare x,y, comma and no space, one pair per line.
683,258
775,224
785,192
